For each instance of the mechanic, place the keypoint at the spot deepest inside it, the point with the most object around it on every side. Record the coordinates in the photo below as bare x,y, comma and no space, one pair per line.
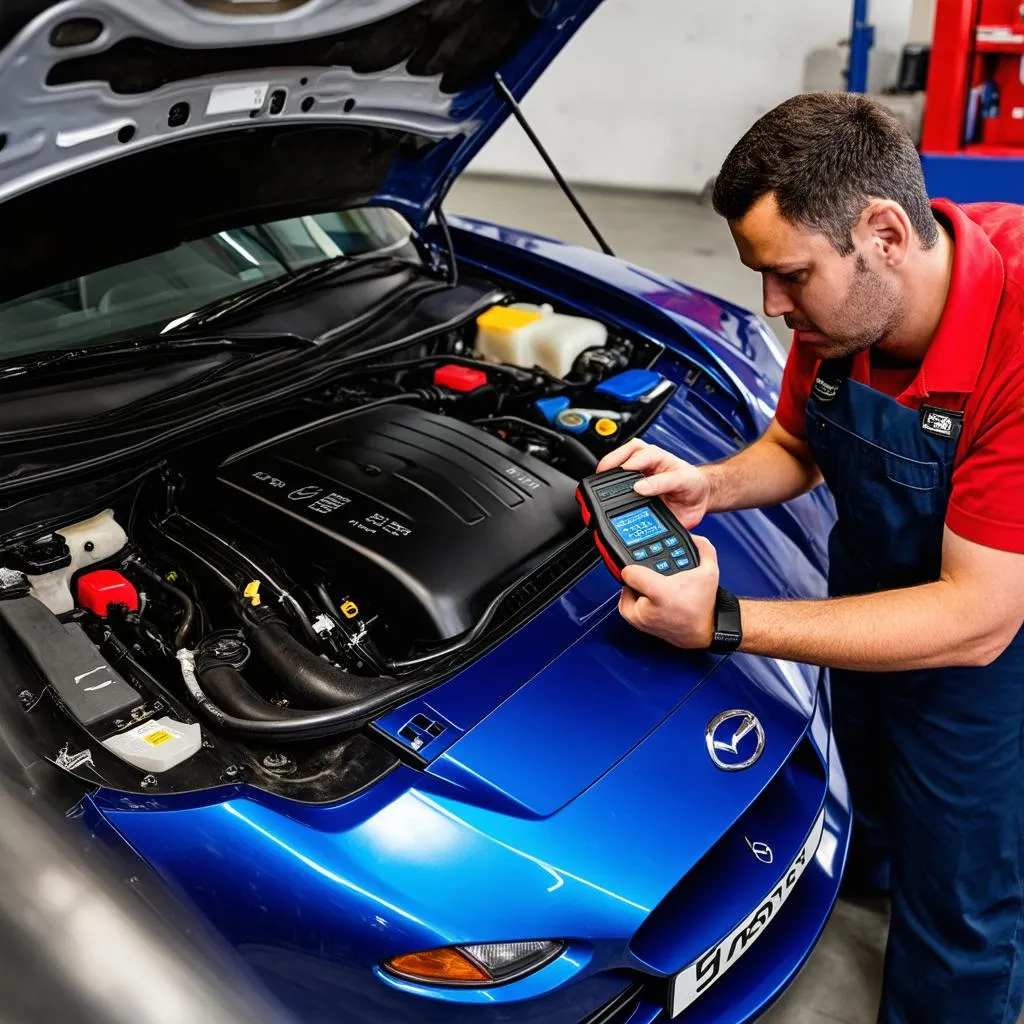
904,391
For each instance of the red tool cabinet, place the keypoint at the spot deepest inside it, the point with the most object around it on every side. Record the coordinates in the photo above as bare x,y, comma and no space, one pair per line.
972,144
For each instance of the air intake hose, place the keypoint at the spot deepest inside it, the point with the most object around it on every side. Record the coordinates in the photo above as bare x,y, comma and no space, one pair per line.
218,663
227,688
307,679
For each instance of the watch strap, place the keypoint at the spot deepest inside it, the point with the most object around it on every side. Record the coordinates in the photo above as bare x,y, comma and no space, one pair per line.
728,628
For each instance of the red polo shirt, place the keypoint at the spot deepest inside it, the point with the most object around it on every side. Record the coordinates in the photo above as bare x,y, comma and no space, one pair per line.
975,362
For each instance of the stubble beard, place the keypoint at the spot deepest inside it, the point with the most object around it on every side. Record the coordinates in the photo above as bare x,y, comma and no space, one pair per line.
869,313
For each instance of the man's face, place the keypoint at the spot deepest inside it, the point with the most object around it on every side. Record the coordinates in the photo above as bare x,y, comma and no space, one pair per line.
840,305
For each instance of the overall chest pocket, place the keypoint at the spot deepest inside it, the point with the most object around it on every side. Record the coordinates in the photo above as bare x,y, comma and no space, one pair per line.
892,510
912,474
875,488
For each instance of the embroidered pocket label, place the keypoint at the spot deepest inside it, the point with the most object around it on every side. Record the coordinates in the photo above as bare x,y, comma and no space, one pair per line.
945,423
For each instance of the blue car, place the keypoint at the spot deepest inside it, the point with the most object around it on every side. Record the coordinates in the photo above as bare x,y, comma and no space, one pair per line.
296,602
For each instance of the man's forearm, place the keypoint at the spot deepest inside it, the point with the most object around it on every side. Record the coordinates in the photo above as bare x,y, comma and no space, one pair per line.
931,626
774,469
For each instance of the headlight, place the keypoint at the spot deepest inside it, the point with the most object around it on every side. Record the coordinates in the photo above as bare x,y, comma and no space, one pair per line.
488,963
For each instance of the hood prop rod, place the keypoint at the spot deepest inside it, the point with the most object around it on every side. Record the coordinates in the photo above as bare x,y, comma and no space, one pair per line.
505,93
453,267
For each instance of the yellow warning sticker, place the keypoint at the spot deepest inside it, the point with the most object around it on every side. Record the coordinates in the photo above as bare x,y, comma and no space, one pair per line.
158,737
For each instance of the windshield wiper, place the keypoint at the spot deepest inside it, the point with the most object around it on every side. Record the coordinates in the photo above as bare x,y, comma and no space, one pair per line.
154,345
278,287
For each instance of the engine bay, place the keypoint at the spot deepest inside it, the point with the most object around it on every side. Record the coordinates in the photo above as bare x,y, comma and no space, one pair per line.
267,590
398,497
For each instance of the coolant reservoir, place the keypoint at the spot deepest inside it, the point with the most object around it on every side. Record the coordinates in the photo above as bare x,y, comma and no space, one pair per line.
527,335
91,541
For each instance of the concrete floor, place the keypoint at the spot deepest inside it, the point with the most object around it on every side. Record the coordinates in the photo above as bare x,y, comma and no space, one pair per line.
683,238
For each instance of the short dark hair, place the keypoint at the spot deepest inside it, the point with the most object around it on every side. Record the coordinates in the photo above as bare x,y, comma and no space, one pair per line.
825,155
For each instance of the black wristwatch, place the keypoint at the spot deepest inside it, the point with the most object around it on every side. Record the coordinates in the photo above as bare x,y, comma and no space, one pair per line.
728,629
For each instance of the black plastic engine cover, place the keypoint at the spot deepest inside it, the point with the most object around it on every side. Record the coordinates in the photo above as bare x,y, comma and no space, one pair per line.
429,517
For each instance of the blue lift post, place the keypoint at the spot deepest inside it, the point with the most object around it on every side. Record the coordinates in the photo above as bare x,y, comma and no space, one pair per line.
862,38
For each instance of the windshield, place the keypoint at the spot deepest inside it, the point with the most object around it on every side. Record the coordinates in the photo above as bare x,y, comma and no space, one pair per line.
144,296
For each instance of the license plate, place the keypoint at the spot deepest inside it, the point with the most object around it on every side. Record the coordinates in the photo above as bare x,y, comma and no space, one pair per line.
694,980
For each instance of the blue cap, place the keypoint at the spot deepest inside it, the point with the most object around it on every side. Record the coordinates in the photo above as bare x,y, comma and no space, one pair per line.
630,385
549,408
573,421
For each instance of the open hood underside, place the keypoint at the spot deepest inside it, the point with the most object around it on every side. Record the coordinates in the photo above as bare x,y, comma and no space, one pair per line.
182,117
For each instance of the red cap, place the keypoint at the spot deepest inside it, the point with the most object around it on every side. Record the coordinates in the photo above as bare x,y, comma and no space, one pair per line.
98,590
459,378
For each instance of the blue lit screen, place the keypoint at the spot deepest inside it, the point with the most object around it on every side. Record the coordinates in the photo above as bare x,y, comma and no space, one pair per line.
638,526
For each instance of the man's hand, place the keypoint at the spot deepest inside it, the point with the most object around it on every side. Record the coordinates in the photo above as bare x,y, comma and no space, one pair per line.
679,608
684,488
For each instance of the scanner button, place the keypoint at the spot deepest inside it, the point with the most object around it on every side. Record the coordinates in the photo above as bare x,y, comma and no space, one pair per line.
639,554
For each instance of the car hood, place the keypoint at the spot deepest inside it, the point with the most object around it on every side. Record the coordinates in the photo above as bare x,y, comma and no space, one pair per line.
184,117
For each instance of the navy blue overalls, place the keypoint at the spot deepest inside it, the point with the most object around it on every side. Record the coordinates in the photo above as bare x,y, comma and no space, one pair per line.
934,757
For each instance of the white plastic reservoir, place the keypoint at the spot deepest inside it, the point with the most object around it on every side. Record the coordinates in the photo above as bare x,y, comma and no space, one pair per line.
527,335
91,541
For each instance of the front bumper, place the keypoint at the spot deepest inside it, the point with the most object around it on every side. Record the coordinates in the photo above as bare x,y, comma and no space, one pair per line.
764,973
304,897
636,986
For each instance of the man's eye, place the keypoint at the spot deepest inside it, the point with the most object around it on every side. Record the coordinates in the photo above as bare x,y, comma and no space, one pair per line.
795,277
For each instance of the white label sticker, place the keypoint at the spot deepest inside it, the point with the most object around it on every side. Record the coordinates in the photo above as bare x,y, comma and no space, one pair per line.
233,99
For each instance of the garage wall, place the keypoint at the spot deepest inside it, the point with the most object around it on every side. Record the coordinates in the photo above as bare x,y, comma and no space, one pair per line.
653,93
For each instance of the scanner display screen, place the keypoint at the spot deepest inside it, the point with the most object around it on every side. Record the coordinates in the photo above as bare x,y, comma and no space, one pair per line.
638,526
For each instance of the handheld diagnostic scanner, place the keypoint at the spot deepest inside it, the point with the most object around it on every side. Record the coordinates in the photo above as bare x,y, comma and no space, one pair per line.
631,529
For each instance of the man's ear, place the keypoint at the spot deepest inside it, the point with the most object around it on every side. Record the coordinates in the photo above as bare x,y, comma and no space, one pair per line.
885,227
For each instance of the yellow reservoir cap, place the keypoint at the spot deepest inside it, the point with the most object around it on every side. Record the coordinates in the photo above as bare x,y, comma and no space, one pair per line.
605,427
505,320
252,592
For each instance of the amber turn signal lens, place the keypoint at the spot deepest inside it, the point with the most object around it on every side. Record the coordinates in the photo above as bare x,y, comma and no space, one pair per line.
444,965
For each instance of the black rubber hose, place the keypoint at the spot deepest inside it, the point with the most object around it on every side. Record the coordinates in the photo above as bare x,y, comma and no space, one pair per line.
308,725
311,680
226,686
179,595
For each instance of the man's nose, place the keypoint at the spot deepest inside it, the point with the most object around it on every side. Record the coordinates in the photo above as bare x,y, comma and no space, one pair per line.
776,299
